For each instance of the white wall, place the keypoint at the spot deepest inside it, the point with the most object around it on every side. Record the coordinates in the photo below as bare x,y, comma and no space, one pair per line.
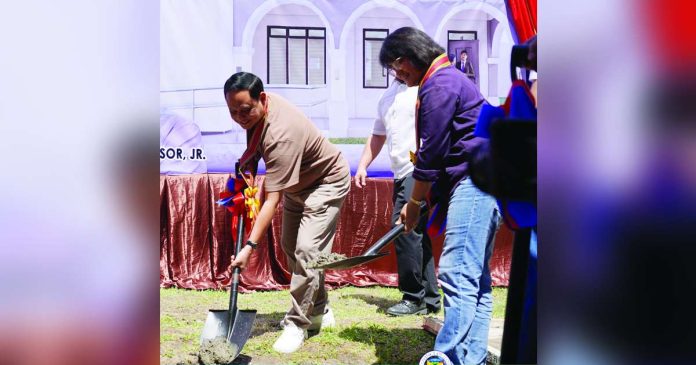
362,102
502,54
197,52
311,99
195,43
286,15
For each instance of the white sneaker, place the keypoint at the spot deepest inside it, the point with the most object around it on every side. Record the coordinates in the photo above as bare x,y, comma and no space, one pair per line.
291,339
325,320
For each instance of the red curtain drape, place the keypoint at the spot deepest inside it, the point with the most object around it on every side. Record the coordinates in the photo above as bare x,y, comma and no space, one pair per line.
196,239
669,33
522,15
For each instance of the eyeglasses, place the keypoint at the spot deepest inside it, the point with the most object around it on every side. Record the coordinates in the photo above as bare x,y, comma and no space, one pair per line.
395,67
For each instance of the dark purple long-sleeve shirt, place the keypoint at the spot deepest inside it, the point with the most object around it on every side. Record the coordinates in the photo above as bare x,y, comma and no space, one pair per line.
449,107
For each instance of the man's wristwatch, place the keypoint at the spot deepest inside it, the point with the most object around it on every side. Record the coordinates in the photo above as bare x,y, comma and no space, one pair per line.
252,244
414,201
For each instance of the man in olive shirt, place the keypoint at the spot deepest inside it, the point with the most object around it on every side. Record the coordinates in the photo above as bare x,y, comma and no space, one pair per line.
314,179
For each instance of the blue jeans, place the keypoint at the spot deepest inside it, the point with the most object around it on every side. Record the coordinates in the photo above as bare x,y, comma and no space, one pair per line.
472,220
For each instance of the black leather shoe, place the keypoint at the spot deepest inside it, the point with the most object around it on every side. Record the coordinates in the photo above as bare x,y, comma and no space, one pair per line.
406,307
434,310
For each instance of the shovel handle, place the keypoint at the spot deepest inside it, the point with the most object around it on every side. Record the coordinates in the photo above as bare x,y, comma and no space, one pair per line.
390,236
234,286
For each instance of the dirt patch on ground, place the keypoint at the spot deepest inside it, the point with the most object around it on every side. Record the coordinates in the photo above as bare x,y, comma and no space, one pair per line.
217,351
324,259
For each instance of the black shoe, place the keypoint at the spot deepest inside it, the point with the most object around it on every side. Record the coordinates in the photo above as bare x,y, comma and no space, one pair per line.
433,310
406,307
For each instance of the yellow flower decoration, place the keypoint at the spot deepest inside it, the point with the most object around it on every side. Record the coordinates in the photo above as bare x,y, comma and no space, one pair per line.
252,202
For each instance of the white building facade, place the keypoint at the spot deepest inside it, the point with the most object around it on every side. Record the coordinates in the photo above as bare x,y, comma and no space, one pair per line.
321,55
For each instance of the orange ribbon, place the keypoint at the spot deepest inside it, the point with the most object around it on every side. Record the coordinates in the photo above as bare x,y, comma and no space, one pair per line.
438,63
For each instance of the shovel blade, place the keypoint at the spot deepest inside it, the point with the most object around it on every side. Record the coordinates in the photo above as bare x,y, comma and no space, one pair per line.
241,329
350,262
218,322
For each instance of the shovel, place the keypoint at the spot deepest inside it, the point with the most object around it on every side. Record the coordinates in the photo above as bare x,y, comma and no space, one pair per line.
233,324
369,255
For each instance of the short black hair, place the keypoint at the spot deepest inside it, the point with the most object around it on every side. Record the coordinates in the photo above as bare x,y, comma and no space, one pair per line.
244,81
464,52
410,43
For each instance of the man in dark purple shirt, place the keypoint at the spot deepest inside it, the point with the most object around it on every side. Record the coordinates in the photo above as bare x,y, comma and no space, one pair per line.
448,107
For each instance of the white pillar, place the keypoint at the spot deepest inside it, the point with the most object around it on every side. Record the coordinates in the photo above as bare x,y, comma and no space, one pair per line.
242,57
337,107
504,81
483,57
493,65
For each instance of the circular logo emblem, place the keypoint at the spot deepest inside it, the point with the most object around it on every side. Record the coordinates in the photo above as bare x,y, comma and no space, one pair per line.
435,358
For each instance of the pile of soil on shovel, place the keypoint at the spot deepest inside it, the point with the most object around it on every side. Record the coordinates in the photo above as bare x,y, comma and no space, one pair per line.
217,351
325,258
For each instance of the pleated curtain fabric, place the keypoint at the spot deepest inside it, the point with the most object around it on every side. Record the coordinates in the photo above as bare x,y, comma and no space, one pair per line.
522,15
196,239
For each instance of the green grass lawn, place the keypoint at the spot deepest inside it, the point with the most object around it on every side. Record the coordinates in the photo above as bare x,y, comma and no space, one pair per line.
364,334
348,140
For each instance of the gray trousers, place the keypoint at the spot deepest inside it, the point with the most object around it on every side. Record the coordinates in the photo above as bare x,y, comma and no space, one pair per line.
414,254
309,225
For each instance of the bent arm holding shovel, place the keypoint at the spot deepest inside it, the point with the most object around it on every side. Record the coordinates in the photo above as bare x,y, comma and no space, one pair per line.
263,220
411,212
